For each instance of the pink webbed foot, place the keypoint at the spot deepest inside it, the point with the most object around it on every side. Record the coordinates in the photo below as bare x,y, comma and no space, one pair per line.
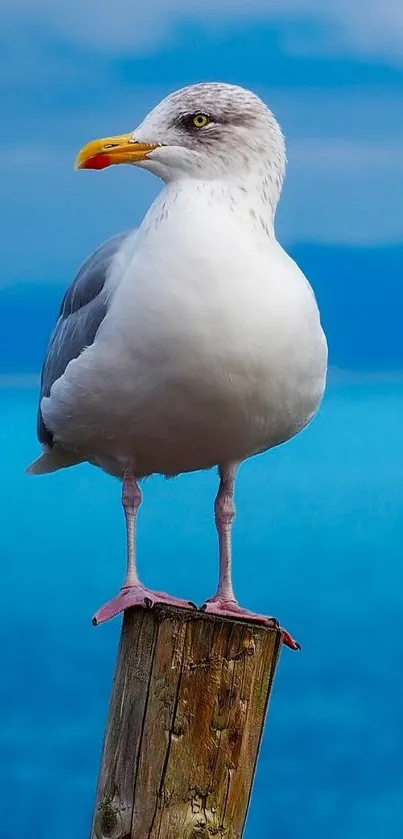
232,609
137,596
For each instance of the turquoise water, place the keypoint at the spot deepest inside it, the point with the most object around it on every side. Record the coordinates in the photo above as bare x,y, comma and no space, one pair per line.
318,542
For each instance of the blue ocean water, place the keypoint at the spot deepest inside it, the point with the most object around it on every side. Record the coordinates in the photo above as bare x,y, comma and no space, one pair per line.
318,542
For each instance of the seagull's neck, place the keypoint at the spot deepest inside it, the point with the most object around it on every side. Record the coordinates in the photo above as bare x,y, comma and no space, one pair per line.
252,198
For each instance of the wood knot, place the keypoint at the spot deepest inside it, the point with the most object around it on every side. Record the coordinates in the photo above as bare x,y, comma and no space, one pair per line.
177,728
201,820
249,646
199,831
108,822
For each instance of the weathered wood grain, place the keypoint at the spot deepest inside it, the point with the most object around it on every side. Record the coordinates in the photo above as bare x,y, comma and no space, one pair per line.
185,724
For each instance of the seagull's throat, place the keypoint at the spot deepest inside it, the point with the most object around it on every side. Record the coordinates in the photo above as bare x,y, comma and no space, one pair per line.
212,211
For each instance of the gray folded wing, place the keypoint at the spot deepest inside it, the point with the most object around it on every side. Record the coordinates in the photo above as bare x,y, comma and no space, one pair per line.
82,311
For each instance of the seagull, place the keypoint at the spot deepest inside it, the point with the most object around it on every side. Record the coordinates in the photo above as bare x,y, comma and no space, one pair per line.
193,341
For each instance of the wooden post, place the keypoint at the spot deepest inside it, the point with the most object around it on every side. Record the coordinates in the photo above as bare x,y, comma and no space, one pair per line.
185,724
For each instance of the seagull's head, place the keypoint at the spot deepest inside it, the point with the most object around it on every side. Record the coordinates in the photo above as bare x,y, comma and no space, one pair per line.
205,131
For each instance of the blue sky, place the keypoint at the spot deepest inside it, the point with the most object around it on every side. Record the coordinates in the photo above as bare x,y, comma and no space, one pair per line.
332,72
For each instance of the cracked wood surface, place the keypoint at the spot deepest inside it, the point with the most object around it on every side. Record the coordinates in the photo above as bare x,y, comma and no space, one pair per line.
185,723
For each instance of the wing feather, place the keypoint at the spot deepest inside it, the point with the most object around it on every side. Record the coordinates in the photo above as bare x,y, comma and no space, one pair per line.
81,313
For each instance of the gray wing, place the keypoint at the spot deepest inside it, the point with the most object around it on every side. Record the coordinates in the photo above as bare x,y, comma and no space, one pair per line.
82,311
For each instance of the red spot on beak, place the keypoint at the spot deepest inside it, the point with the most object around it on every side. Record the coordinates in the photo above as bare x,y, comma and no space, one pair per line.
99,161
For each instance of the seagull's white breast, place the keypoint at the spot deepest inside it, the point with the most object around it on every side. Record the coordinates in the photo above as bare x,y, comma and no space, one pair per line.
212,348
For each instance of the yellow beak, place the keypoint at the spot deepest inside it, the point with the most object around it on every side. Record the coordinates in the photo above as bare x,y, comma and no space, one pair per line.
121,149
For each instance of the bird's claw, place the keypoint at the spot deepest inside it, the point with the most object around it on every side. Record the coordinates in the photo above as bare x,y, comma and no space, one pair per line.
289,641
138,595
230,608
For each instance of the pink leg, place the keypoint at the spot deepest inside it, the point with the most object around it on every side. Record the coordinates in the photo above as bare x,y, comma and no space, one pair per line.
133,593
224,601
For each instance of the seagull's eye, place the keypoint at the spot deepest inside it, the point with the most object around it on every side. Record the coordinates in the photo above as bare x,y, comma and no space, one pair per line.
200,120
